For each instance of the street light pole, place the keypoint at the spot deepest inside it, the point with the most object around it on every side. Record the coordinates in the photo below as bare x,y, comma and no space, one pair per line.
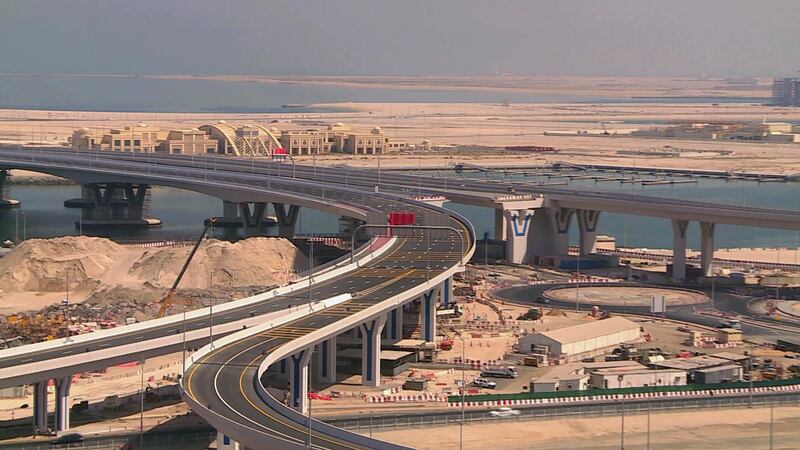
622,416
309,397
66,308
771,423
141,409
713,286
310,271
463,389
578,284
211,309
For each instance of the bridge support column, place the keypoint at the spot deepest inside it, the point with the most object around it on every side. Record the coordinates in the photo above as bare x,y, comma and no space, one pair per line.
225,442
447,292
428,314
394,321
230,211
62,403
286,219
282,367
254,218
40,407
518,226
560,219
5,191
706,247
298,380
500,225
113,205
679,229
371,351
587,222
326,363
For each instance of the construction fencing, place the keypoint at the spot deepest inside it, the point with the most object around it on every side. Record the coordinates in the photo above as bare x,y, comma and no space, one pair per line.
600,394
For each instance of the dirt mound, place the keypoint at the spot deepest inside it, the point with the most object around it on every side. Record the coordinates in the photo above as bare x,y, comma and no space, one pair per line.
110,274
252,262
42,264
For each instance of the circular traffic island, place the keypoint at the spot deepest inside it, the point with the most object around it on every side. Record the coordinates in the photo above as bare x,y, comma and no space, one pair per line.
624,296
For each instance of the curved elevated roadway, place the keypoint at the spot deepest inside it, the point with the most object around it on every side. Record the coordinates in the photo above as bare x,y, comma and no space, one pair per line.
223,382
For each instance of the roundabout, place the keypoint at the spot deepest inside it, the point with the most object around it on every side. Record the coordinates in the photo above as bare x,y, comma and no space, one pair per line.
624,296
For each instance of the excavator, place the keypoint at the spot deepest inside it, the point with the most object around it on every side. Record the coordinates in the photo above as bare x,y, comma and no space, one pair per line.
170,298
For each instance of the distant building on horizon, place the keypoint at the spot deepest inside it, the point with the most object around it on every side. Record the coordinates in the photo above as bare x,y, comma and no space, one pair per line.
786,92
237,140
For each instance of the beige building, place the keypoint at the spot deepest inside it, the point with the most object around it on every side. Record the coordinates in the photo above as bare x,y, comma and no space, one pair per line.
307,142
187,142
139,139
371,143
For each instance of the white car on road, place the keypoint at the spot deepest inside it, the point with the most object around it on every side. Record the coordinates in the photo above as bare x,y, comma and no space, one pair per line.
504,412
484,383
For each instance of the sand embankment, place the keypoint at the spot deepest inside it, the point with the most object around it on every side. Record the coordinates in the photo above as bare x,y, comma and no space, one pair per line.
35,273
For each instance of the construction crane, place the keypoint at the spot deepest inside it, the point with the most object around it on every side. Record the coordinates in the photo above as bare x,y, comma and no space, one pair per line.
170,299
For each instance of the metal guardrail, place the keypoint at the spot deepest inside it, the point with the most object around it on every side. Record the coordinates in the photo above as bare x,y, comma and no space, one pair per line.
371,423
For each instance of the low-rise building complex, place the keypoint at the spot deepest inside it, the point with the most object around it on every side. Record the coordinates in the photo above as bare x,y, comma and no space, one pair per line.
237,140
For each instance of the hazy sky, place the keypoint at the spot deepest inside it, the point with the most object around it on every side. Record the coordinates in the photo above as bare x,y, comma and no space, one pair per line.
326,37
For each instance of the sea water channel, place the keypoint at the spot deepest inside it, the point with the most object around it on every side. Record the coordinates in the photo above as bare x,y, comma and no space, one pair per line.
43,214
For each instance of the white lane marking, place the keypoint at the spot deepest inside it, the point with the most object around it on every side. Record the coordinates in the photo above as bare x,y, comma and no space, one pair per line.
219,395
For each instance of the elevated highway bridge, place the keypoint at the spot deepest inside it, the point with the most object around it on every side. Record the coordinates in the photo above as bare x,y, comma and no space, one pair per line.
225,380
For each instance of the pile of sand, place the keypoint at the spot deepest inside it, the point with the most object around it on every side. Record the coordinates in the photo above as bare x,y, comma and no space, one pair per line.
109,273
256,261
42,265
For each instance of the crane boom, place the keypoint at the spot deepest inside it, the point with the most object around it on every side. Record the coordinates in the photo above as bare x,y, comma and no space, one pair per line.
169,299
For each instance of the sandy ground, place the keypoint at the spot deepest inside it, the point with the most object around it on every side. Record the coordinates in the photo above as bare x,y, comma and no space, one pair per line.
701,430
